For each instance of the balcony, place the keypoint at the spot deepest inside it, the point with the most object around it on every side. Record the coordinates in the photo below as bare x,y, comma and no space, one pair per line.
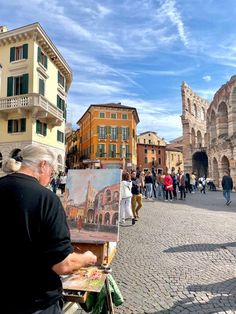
40,107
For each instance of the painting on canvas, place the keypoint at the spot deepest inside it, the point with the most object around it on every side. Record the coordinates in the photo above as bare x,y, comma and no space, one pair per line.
92,203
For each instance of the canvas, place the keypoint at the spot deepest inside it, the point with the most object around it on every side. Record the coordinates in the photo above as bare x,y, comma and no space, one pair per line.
85,279
92,204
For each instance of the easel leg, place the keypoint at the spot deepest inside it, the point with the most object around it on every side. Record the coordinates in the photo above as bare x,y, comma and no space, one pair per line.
109,298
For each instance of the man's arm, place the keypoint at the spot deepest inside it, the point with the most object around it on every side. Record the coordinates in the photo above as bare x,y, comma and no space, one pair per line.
73,262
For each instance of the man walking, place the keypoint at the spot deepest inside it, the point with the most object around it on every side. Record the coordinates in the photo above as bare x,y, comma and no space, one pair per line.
136,200
227,185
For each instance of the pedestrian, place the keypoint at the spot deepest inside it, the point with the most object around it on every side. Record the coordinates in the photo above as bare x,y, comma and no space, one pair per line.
174,179
160,182
227,185
125,204
168,186
202,184
148,184
37,249
181,182
136,200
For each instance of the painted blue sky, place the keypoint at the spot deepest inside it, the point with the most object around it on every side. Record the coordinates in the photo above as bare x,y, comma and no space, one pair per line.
77,181
137,52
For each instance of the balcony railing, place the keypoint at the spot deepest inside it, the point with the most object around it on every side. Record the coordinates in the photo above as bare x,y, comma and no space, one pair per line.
40,106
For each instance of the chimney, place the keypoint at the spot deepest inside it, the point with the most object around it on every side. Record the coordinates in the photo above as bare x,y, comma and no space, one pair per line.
3,29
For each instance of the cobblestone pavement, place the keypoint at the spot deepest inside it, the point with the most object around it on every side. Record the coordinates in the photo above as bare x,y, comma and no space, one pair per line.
178,258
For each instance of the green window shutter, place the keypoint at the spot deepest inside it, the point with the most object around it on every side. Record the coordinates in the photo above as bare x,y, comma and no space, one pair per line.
10,86
121,150
58,135
128,132
97,154
62,138
25,83
41,87
12,54
110,148
103,150
127,150
58,101
62,104
25,51
9,126
46,62
39,55
23,125
58,77
38,126
65,114
98,128
114,149
45,129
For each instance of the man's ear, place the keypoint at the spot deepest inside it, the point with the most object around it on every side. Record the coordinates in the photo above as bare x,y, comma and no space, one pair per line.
42,165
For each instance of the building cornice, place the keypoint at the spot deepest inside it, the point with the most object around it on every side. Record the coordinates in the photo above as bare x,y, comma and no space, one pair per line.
35,31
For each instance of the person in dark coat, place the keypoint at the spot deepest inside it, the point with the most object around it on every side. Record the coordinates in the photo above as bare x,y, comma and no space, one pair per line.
227,185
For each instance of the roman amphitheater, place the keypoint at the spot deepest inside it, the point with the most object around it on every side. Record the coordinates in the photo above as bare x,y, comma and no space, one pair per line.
209,132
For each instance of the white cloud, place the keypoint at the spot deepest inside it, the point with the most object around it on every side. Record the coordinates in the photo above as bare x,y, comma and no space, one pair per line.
207,78
169,8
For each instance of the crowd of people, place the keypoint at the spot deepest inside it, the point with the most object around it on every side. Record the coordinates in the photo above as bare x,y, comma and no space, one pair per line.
137,185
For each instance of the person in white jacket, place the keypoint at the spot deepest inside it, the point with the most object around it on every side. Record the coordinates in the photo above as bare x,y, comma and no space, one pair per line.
125,205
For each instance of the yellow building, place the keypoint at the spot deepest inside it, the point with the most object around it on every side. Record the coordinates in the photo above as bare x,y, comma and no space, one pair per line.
108,136
174,158
72,148
34,81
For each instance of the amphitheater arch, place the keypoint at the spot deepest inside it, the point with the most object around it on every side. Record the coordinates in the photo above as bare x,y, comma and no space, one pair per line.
215,171
0,160
189,105
233,105
222,119
206,139
225,164
200,163
199,139
193,141
213,126
203,114
195,110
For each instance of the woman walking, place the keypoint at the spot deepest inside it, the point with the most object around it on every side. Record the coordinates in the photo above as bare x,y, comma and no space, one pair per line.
168,186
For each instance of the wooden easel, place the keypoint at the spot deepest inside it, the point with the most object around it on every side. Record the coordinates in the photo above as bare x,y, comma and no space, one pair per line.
105,256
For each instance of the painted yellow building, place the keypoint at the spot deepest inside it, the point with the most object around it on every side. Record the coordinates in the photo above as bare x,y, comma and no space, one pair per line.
34,82
108,136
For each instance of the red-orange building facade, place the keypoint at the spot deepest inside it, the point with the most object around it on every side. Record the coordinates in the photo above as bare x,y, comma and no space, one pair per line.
151,152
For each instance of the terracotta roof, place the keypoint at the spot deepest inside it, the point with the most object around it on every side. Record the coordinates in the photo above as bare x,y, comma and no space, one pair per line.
112,105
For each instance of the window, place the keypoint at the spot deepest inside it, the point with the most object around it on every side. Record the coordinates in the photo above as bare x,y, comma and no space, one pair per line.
42,58
145,160
19,53
101,114
61,79
153,161
112,150
125,134
124,116
101,150
41,128
145,151
114,133
113,116
61,105
172,157
159,161
149,141
101,132
17,125
153,151
60,136
159,151
17,85
144,141
41,87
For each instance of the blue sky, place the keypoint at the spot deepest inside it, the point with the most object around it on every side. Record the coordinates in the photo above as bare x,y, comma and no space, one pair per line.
137,52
